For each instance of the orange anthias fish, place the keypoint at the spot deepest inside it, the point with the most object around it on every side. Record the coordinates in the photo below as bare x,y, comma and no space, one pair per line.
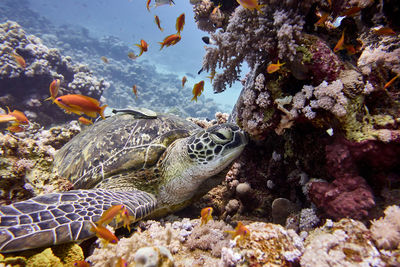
104,59
184,80
7,118
274,67
389,83
85,121
240,230
206,215
81,264
170,40
121,263
216,9
157,20
148,5
143,47
250,4
198,88
80,104
19,116
53,88
132,55
340,44
385,31
212,75
321,21
351,11
15,128
134,90
180,22
105,234
124,217
20,60
110,214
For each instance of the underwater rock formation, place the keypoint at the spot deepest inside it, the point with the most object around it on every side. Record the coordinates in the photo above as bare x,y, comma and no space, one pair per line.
57,256
328,112
26,163
333,244
26,88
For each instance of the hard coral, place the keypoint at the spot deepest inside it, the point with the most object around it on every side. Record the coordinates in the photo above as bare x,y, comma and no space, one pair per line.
344,243
25,88
251,37
386,230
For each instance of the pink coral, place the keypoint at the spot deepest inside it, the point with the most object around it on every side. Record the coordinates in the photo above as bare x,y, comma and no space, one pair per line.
346,197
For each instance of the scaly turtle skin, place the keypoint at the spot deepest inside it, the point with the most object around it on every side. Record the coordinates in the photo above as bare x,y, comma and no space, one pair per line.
152,166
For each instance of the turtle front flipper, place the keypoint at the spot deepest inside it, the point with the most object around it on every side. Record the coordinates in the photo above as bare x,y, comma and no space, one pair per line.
64,217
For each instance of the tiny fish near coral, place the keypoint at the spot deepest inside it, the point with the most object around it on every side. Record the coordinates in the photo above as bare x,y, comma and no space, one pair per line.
81,264
105,234
53,88
250,4
110,214
20,60
206,215
340,44
85,121
274,67
240,230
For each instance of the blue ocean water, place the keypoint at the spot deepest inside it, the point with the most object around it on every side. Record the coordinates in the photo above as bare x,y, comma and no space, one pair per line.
130,21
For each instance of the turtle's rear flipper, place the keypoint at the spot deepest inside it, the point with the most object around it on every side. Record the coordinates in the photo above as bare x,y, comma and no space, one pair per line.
64,217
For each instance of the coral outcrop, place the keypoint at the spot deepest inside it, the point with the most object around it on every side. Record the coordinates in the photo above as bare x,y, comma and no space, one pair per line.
26,88
327,111
26,163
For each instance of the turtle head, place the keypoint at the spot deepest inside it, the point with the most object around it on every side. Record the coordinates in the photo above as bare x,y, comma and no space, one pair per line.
216,146
193,165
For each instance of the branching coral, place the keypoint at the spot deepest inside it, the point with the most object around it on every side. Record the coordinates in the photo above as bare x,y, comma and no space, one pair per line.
254,38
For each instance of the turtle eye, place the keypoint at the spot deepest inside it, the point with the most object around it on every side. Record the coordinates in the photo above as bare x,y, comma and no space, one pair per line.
222,136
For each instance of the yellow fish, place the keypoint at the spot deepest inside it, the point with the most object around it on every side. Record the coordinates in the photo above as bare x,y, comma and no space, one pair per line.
80,104
143,46
105,234
206,215
340,44
180,22
198,88
53,88
110,214
250,4
20,60
274,67
157,20
85,121
184,80
240,230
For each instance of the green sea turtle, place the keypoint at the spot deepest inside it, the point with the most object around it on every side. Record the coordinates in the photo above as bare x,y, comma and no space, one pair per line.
152,166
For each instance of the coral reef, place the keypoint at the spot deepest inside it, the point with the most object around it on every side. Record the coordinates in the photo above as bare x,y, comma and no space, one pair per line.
26,88
386,230
345,243
329,114
61,255
26,163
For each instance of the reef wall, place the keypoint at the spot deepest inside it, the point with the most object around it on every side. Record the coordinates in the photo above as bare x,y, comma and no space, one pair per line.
325,124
